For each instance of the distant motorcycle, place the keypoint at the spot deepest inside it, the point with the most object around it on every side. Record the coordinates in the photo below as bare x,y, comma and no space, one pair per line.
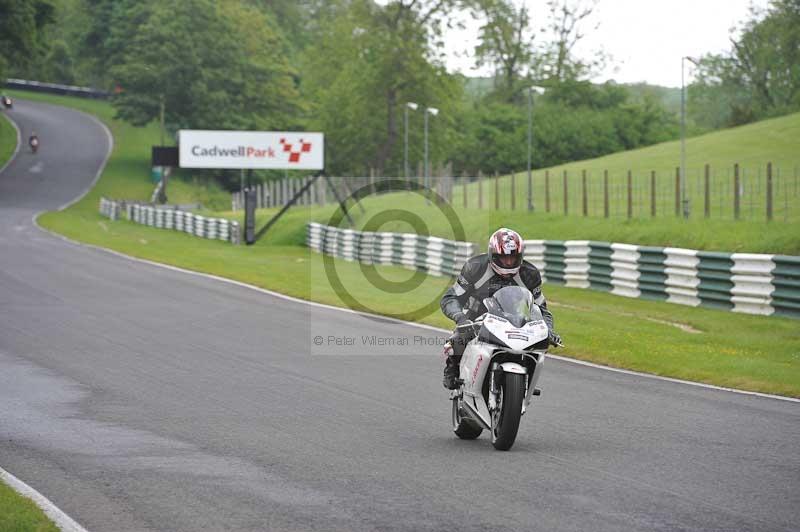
500,367
34,143
7,103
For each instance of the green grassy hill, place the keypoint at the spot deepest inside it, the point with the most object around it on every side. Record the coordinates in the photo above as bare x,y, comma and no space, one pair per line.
751,146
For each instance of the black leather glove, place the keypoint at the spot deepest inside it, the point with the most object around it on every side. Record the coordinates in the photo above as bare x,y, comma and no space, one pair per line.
461,319
555,340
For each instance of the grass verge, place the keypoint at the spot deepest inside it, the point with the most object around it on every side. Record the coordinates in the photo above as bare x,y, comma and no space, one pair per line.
8,139
20,514
747,352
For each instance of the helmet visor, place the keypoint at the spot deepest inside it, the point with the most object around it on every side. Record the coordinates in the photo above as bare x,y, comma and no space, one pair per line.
507,262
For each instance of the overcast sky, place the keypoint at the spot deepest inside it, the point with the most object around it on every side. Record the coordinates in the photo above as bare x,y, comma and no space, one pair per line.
646,38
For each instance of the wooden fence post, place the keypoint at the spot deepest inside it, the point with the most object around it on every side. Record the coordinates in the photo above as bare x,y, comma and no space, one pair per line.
566,196
707,192
464,181
677,191
653,193
480,189
513,191
736,197
769,192
496,190
605,193
585,194
547,191
630,195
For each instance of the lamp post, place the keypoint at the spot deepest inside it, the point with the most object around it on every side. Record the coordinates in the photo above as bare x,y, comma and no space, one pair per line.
433,111
413,107
531,90
684,199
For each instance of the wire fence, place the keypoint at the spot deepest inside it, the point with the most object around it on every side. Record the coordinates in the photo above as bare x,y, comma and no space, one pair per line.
754,192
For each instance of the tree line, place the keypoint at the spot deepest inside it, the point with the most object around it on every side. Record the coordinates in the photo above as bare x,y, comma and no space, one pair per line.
349,67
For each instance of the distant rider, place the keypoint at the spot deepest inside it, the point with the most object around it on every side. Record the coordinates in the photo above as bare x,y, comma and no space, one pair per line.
33,141
480,278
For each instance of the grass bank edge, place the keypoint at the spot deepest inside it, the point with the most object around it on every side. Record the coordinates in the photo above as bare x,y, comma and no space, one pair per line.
722,348
8,139
21,514
273,266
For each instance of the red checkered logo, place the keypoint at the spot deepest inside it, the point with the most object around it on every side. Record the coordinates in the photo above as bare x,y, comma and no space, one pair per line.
295,150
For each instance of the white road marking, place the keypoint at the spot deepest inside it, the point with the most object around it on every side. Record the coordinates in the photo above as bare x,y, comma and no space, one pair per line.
411,323
19,140
62,520
36,168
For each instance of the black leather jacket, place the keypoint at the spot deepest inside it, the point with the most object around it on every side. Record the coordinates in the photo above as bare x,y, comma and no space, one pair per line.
478,281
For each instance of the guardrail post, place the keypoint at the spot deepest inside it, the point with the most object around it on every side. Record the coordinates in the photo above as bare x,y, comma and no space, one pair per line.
769,192
677,191
605,193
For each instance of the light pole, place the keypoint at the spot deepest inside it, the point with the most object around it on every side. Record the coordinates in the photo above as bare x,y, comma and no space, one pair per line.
434,112
684,199
413,107
531,90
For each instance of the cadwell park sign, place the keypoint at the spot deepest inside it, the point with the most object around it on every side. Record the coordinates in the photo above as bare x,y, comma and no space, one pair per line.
278,150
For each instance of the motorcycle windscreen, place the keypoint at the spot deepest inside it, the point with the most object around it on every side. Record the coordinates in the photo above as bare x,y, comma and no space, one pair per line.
514,304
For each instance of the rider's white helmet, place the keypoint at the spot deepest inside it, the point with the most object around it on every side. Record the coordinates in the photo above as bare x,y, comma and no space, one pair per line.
506,250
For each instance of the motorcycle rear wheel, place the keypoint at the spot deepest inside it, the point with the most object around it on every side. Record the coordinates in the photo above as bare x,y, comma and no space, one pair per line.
506,419
463,427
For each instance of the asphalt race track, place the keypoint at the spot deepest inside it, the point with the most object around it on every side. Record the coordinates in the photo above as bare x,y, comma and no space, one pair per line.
140,398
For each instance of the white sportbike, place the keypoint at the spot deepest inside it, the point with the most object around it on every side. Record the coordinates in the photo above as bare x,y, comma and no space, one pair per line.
500,367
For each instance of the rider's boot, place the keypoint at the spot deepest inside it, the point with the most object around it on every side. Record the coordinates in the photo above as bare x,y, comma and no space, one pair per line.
450,378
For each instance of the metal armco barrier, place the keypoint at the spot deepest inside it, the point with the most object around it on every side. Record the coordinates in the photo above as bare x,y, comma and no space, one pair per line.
742,282
55,88
170,218
429,253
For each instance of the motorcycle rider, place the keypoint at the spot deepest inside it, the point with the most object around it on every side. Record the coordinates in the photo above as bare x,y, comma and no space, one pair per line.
481,277
33,141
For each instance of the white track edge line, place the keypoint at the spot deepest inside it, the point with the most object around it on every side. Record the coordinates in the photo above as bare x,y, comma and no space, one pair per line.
62,520
19,142
411,323
351,311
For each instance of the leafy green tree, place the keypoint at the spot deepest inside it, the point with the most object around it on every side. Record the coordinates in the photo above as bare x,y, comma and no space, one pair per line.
758,78
199,59
366,63
506,44
566,28
21,25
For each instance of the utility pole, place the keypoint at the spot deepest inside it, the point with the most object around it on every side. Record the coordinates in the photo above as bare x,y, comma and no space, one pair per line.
434,112
531,90
413,107
684,199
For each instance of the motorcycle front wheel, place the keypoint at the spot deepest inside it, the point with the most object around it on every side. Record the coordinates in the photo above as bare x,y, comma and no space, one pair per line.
505,420
463,427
